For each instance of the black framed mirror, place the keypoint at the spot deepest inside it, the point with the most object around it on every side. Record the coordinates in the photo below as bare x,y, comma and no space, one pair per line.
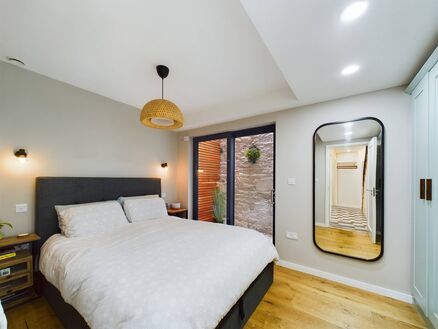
348,194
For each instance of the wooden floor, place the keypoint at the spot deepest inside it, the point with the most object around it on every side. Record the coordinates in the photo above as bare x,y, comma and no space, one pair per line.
301,301
351,243
295,300
34,315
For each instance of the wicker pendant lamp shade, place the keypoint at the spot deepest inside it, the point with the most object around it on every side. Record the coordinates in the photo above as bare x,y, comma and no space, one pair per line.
161,113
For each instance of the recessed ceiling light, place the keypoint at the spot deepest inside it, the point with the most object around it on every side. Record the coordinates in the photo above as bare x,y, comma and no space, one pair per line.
15,60
350,69
348,133
354,11
348,124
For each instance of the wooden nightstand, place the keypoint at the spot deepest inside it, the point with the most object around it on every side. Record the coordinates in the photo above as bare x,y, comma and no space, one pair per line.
17,286
181,212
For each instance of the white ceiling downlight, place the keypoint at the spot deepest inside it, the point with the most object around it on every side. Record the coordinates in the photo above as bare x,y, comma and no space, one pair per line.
354,11
350,69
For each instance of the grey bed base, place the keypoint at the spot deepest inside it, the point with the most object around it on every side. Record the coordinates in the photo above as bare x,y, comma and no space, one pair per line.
51,191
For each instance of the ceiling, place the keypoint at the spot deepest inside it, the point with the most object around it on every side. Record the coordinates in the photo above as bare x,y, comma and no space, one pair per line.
217,59
349,149
228,59
311,45
357,130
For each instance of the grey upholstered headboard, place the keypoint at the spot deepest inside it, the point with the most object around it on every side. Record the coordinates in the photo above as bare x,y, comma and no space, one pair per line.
51,191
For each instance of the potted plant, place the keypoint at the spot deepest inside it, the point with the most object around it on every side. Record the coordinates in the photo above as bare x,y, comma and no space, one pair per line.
3,224
219,200
253,154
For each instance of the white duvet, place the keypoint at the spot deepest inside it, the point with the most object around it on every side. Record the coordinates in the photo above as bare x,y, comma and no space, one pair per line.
162,273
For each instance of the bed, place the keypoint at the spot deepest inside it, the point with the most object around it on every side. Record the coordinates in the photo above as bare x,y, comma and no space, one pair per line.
165,281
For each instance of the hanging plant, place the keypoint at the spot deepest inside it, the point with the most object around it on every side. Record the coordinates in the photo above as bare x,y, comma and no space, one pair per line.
253,154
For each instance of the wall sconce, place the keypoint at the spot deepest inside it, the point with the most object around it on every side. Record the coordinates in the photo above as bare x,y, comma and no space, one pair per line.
21,155
165,166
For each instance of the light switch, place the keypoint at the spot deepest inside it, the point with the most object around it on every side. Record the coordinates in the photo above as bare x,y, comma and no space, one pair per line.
22,207
291,181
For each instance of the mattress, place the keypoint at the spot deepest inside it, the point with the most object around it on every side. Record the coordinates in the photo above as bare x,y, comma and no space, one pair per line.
161,273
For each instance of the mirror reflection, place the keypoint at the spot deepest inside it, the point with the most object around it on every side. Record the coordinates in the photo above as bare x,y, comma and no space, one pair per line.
348,190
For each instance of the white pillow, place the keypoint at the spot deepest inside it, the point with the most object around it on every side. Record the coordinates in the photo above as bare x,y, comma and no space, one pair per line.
122,199
90,218
59,208
146,208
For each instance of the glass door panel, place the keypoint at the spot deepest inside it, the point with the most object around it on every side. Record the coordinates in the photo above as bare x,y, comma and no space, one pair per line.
234,178
212,180
254,182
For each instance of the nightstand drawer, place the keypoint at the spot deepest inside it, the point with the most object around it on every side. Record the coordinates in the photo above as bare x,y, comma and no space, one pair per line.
15,283
16,266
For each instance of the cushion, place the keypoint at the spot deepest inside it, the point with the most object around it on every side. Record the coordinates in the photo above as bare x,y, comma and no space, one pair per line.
145,208
122,199
90,218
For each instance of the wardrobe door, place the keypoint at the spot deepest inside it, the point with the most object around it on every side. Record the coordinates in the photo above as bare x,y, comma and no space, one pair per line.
433,216
420,205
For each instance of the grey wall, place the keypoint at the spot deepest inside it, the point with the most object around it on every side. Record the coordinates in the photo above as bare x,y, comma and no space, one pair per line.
294,202
70,132
319,181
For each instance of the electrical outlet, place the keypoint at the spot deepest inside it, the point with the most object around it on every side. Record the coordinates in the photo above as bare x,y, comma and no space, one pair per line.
291,181
163,194
22,207
292,235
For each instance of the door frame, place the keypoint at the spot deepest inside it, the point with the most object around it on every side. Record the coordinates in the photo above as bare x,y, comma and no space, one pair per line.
231,136
373,232
328,190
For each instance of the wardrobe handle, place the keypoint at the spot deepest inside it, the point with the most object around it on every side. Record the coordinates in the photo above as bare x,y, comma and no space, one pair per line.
429,189
422,188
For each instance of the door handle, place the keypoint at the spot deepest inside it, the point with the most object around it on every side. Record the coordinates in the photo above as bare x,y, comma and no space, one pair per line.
429,189
422,189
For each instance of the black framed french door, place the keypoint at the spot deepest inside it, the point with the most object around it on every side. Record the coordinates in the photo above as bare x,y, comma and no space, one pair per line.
234,178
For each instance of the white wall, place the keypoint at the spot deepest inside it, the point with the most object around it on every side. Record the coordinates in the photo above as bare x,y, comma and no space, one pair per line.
294,203
349,181
333,179
70,132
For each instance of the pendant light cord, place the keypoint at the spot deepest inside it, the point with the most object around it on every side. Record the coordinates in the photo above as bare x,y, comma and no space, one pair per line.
162,88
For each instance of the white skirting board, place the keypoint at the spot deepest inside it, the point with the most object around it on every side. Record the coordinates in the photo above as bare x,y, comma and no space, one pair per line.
349,282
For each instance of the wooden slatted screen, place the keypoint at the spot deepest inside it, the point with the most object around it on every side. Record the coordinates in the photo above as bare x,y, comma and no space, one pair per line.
208,177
